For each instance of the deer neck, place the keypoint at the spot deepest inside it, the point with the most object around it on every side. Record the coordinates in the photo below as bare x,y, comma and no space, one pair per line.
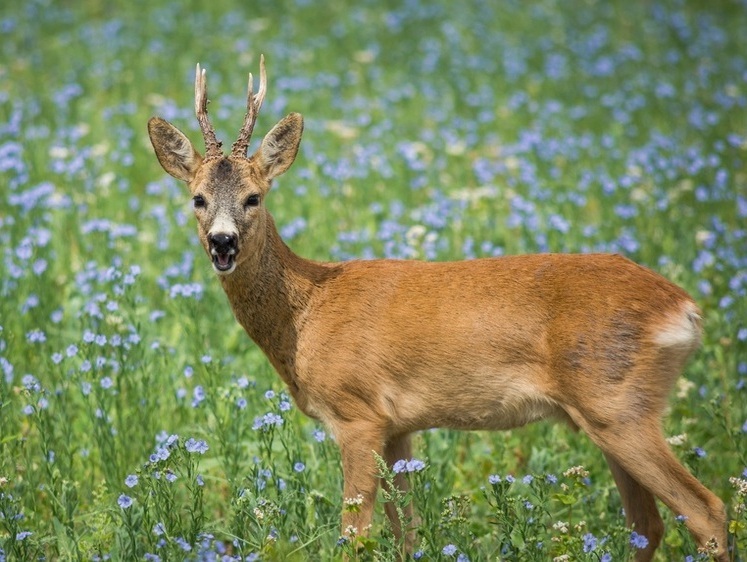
270,293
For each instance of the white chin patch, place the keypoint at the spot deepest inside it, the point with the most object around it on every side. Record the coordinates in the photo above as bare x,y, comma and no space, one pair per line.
221,271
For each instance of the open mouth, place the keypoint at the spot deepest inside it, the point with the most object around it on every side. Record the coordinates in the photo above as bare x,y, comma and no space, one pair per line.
224,261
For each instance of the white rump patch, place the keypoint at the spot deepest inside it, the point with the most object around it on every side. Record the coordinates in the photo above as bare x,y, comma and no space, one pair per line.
681,328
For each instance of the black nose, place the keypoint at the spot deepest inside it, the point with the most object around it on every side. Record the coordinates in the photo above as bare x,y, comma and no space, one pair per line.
222,243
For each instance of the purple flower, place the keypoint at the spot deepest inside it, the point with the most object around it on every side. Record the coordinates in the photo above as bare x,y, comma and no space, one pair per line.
198,395
590,542
267,422
494,479
415,465
638,541
194,446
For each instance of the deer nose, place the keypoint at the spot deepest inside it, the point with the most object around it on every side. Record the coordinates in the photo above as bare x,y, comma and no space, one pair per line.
222,242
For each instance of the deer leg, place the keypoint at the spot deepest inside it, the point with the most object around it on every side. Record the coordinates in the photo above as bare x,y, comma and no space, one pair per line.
398,448
640,450
358,443
641,513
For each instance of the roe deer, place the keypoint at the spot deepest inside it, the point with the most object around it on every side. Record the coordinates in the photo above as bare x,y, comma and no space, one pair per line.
378,349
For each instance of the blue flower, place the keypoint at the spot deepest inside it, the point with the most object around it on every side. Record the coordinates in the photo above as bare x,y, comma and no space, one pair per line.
124,501
638,541
299,467
198,395
415,465
194,446
131,481
267,422
449,550
22,535
494,479
590,542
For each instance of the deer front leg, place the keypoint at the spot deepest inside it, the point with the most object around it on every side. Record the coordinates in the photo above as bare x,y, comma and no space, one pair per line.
358,443
398,448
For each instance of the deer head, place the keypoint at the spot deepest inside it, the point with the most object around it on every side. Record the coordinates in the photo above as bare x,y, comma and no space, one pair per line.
228,192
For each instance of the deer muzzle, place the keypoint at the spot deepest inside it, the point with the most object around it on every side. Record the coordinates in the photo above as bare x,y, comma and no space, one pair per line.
223,250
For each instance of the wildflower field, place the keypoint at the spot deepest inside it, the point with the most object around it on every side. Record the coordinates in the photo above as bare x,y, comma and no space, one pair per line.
137,420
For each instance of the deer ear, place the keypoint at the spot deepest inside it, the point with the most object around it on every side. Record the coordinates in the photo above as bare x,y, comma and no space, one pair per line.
280,146
174,150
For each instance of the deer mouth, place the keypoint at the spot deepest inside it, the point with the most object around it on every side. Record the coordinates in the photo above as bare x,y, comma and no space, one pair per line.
224,261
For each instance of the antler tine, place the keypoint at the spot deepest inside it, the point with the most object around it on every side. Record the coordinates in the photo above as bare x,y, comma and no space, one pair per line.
253,103
212,144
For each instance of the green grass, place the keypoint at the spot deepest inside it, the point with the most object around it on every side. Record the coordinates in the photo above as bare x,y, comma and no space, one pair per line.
436,130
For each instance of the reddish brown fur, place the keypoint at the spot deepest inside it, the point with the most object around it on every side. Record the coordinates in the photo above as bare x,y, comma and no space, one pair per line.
379,349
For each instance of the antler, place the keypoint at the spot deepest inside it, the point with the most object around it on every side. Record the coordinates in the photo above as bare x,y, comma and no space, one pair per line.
212,144
253,103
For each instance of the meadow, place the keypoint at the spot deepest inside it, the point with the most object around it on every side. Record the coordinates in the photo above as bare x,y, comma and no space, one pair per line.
137,420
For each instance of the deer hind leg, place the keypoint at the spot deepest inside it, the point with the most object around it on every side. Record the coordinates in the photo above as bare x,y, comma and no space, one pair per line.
641,513
398,448
640,451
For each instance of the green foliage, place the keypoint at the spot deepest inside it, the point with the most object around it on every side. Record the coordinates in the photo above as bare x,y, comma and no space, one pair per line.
137,421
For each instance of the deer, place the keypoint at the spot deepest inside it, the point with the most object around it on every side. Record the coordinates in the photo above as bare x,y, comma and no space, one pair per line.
378,349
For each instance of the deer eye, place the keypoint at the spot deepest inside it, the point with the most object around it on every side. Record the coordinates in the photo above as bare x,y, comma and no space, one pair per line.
198,201
252,201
